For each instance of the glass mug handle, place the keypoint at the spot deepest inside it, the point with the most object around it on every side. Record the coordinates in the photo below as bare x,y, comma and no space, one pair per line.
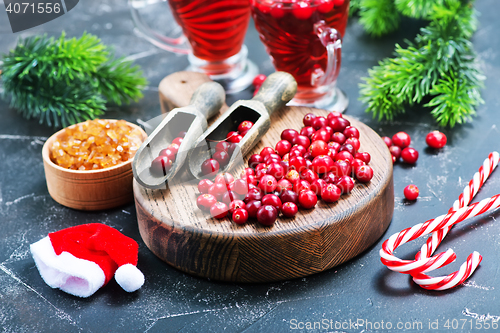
332,41
177,45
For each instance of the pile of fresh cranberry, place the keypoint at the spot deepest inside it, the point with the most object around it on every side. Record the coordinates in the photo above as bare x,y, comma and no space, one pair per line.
321,161
224,149
162,164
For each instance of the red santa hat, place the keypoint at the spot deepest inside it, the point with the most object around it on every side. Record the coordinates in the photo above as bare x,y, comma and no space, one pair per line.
81,259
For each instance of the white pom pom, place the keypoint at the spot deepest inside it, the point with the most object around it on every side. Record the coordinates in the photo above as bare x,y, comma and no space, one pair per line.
129,277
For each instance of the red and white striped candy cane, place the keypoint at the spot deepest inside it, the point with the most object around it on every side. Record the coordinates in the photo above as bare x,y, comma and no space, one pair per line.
424,261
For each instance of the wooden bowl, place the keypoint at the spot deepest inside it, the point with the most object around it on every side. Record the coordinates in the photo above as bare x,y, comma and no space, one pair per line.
92,189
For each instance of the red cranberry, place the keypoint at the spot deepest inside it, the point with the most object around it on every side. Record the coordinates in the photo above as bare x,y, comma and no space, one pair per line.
301,185
335,146
319,122
308,175
401,139
245,126
395,151
364,156
351,132
174,147
169,153
330,178
276,170
223,146
240,216
229,196
289,135
338,137
297,151
182,134
302,140
321,134
411,192
322,164
333,114
273,200
308,119
235,204
240,187
341,168
205,201
210,166
252,208
218,190
283,185
345,183
258,80
283,147
160,166
289,196
330,193
307,131
267,215
307,199
266,151
354,142
343,156
409,155
250,179
177,140
231,134
204,185
297,163
219,210
272,158
318,185
356,164
224,178
285,164
364,173
222,157
387,141
235,138
268,183
339,124
318,147
289,209
292,176
348,148
247,171
308,156
436,139
255,160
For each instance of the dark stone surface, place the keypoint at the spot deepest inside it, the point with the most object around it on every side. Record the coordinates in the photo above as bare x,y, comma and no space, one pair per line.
171,301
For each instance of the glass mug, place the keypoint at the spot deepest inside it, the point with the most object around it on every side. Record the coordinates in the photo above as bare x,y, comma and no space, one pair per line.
304,38
213,36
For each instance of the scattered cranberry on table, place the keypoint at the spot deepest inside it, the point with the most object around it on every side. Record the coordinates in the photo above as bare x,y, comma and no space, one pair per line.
400,143
411,192
436,139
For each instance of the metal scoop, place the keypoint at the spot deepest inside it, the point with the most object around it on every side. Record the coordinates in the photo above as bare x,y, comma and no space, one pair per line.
206,101
277,90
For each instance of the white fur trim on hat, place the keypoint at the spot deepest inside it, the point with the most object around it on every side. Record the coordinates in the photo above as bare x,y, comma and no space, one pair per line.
75,276
129,277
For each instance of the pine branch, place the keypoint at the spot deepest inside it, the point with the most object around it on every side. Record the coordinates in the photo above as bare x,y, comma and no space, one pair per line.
64,81
439,64
378,17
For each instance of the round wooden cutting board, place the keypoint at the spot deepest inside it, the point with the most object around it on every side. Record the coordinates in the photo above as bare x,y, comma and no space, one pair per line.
179,233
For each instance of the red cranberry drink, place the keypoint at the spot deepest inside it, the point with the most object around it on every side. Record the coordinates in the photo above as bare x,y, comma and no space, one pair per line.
213,32
303,38
215,28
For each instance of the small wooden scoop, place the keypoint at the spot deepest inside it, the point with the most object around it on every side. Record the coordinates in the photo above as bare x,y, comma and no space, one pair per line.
192,119
278,89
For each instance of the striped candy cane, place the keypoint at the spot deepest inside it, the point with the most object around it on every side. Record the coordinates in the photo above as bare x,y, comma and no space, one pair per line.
439,227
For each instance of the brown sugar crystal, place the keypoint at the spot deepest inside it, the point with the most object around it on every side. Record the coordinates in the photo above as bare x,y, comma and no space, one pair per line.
95,144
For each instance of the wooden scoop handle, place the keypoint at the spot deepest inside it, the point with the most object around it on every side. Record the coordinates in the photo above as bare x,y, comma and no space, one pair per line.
208,99
277,90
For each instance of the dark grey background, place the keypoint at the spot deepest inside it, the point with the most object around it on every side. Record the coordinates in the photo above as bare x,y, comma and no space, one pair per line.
171,301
